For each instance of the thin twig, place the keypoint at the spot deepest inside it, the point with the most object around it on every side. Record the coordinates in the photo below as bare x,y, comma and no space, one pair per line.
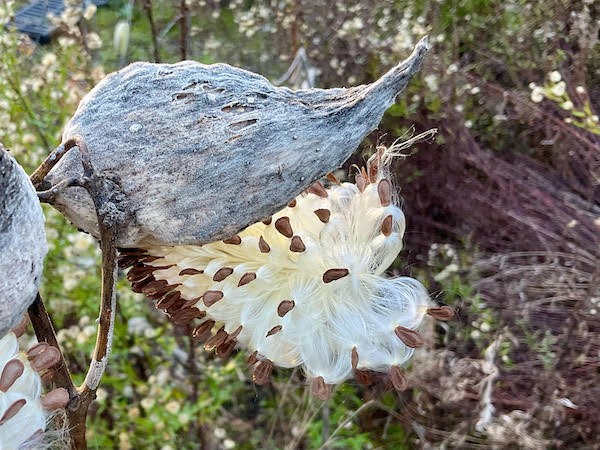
147,4
183,29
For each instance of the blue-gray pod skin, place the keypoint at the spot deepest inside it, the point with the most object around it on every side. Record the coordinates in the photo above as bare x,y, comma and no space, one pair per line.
199,152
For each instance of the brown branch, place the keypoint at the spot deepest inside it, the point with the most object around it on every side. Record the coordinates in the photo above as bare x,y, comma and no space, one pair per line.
147,5
184,12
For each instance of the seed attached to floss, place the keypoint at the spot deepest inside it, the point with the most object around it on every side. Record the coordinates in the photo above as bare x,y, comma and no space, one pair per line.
267,221
275,329
297,245
285,307
211,297
247,278
262,372
55,399
12,410
11,372
441,312
222,273
384,189
284,227
410,337
263,246
272,277
334,274
235,240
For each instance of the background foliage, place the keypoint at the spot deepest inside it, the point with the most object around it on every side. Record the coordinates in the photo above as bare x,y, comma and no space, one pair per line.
503,220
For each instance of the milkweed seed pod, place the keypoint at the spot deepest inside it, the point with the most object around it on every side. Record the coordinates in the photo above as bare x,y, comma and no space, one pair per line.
195,153
22,242
23,410
305,287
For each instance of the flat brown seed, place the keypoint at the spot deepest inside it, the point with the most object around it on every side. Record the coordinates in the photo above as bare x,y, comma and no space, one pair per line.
386,226
363,377
12,410
268,221
46,359
320,389
247,278
11,373
292,203
235,240
360,182
226,348
334,274
252,358
190,271
211,297
202,331
285,307
186,315
55,399
275,329
323,214
284,227
262,372
331,177
384,189
441,313
398,379
216,340
317,189
234,334
20,329
36,349
297,245
410,337
354,358
222,273
169,300
263,246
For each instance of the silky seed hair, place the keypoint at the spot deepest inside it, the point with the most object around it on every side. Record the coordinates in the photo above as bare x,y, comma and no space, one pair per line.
306,287
24,413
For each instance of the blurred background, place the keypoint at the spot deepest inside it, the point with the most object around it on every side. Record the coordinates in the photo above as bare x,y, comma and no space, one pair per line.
503,217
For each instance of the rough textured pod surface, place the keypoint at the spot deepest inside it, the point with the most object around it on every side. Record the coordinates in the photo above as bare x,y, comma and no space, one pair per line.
200,152
22,242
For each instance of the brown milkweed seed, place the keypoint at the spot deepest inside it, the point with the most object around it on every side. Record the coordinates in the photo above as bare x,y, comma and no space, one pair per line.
297,245
441,312
235,240
386,226
55,399
384,189
11,373
252,358
263,246
12,410
360,182
292,203
354,358
334,274
283,226
317,189
46,359
323,214
211,297
216,340
410,337
202,331
247,278
262,373
397,378
320,389
363,377
226,348
190,271
267,221
285,307
222,273
275,329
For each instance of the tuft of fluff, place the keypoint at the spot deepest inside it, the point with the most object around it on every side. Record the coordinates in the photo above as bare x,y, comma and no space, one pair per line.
306,287
22,417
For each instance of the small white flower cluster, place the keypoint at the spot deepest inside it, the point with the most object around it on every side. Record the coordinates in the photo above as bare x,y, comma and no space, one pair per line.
23,411
306,287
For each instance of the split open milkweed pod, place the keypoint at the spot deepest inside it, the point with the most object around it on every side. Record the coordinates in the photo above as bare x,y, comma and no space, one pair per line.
23,410
199,152
306,287
22,242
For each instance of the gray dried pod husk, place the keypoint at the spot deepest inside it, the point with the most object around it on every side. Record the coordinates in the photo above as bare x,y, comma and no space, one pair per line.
22,242
200,152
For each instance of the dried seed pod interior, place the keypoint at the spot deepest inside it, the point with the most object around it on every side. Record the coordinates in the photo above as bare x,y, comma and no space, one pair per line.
318,298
